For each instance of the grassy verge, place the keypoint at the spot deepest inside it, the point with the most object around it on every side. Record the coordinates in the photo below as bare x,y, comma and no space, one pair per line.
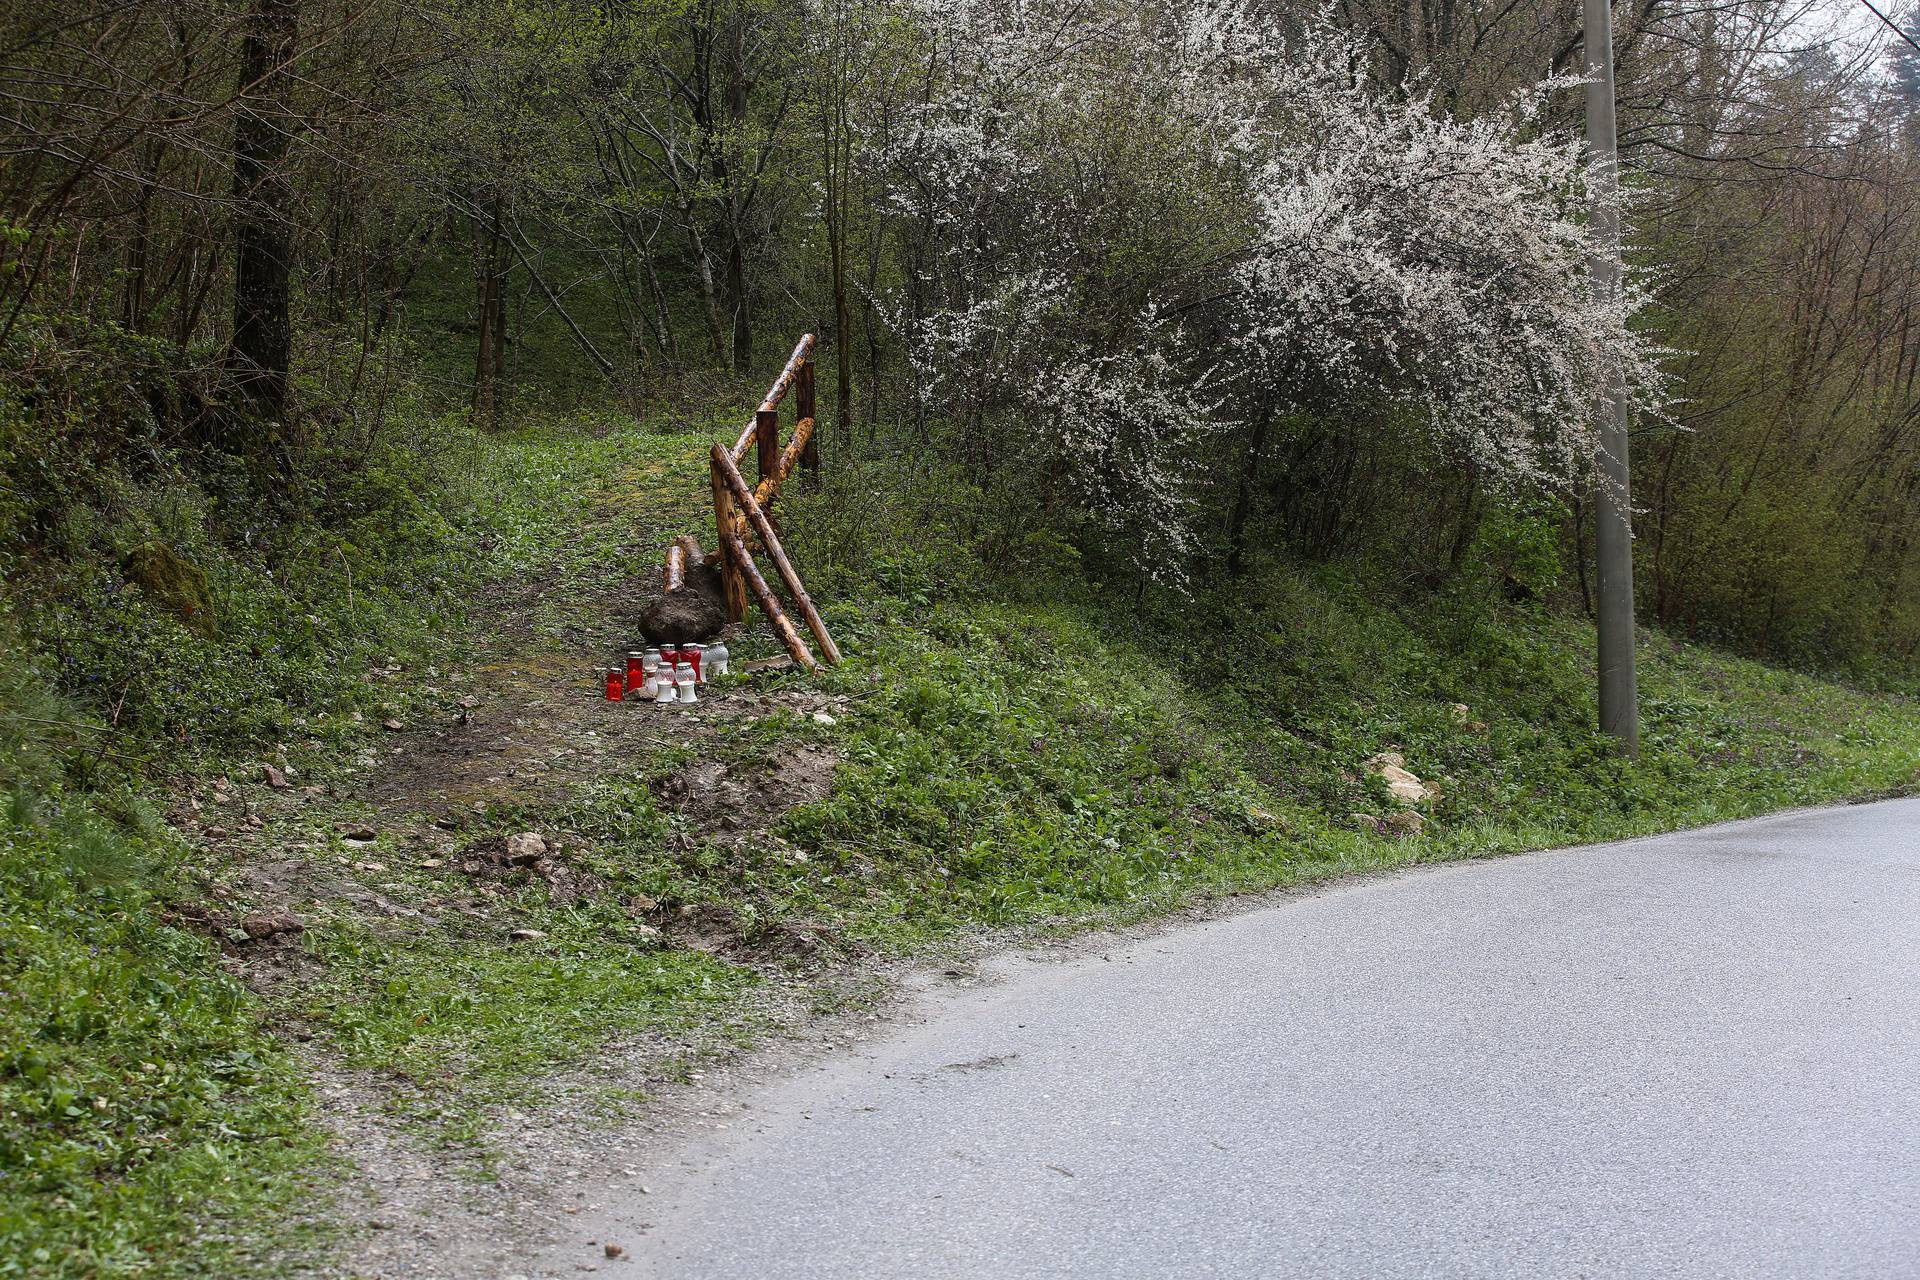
1049,764
1033,758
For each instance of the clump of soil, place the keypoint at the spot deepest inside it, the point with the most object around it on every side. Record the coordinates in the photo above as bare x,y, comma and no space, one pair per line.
732,802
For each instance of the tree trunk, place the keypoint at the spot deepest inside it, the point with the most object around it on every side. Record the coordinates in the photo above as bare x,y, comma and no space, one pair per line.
260,352
490,355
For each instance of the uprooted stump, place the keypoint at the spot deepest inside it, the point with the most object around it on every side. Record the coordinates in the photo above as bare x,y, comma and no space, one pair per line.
691,612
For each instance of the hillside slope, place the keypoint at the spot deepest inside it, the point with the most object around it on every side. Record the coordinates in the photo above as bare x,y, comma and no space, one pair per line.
341,890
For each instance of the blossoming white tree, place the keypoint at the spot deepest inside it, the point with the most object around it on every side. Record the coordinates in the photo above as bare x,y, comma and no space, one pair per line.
1142,225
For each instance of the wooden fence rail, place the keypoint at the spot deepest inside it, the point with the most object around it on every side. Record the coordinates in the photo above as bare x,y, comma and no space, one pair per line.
743,516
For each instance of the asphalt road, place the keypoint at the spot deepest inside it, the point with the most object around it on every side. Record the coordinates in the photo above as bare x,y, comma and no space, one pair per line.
1695,1055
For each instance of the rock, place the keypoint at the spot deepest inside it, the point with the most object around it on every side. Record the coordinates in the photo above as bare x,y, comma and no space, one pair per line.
781,663
614,1251
695,612
370,868
267,924
1390,767
1460,712
173,582
360,833
526,848
526,935
392,726
1405,823
275,778
821,717
1365,821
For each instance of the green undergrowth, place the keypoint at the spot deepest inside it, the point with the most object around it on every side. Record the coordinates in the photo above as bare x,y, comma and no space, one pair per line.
148,1123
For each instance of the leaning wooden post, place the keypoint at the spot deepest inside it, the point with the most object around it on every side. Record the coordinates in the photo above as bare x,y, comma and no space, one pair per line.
726,524
737,551
743,498
803,408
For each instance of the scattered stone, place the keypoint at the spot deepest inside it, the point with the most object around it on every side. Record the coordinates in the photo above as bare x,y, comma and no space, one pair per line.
526,848
428,864
360,833
370,868
526,935
275,778
1391,768
781,663
1460,712
821,717
614,1250
392,726
1405,823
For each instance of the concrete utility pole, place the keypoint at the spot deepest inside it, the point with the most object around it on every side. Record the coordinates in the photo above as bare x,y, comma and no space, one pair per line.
1613,536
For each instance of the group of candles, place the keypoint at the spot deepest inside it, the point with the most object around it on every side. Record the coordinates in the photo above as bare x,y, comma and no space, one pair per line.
671,673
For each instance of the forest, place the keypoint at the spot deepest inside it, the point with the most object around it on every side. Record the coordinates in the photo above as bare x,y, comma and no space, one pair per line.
1207,401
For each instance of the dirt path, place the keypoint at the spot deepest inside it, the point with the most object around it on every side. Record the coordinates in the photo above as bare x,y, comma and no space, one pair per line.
518,730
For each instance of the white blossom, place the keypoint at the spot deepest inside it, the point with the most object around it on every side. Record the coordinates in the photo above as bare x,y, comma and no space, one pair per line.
1124,208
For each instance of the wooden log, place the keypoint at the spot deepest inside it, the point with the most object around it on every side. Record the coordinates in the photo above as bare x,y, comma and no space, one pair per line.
769,488
757,520
802,353
691,545
726,525
803,408
676,575
737,552
777,392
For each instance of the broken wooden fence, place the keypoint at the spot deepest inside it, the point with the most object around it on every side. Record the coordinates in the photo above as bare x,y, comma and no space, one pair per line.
742,516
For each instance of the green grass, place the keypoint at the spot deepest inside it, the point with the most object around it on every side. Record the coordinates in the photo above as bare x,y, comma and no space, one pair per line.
148,1125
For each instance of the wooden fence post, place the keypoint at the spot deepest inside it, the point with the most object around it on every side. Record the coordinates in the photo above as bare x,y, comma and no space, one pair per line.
727,525
803,408
766,433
